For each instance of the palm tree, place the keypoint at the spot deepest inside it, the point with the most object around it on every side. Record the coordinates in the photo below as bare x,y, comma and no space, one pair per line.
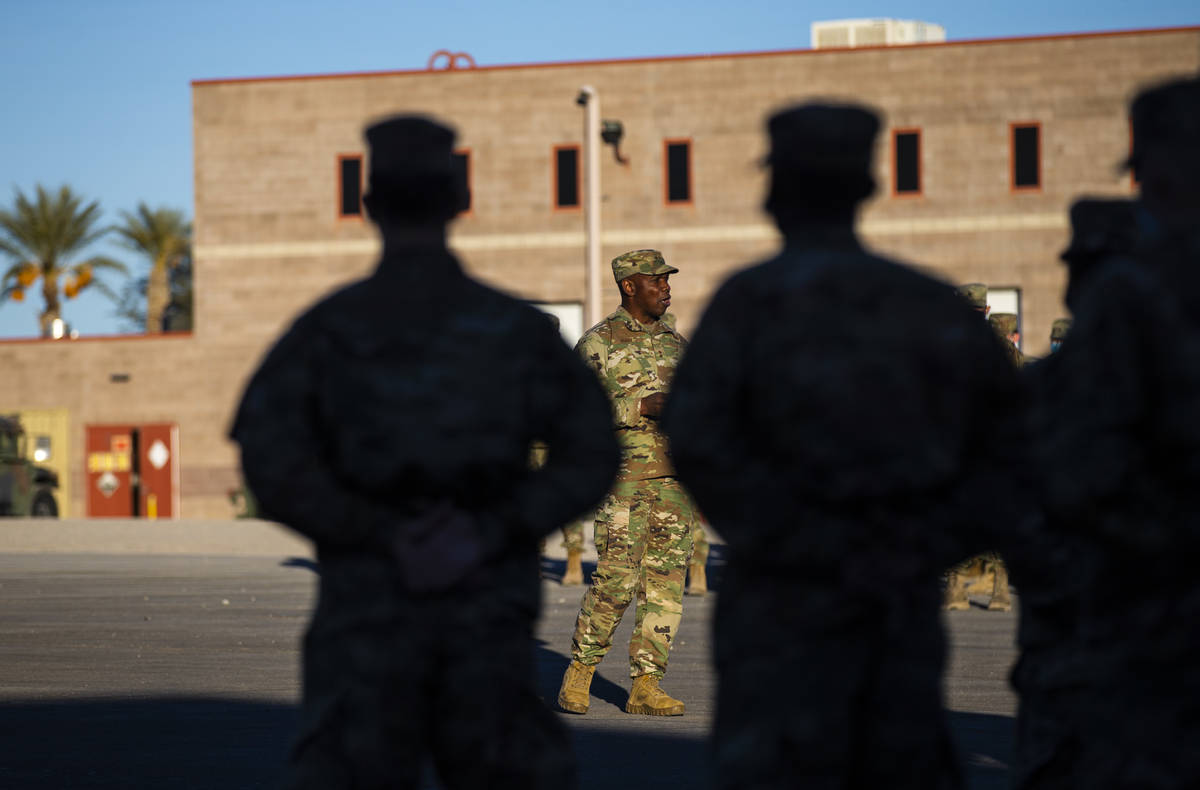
40,237
165,237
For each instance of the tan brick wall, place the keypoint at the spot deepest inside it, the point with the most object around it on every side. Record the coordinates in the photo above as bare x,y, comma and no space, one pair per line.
269,242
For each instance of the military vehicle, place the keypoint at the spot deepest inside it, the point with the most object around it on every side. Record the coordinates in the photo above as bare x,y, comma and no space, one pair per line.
25,489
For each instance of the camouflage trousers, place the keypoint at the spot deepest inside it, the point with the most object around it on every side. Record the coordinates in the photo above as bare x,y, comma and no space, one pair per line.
643,542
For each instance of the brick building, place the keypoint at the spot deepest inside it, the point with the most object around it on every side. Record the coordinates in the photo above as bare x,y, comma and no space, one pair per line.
985,144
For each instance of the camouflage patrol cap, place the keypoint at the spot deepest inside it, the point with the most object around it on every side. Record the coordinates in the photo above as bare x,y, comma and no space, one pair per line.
640,262
975,294
1004,323
1059,329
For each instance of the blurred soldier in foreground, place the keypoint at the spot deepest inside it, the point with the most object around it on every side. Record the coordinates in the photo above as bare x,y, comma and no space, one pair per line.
1055,675
644,526
829,425
1166,162
1119,450
392,425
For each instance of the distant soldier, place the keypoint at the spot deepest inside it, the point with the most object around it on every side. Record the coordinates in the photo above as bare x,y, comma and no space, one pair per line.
573,542
1005,325
392,425
1058,333
697,565
840,419
644,526
572,533
990,564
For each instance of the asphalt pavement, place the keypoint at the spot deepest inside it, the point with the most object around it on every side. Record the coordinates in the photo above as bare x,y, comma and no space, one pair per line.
175,670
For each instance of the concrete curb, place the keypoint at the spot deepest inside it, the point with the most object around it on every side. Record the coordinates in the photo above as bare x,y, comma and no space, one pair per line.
240,537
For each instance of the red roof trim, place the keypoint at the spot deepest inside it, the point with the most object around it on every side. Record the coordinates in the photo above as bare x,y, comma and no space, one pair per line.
66,341
714,56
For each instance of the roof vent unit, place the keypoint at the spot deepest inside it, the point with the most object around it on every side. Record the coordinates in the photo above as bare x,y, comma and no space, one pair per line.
849,33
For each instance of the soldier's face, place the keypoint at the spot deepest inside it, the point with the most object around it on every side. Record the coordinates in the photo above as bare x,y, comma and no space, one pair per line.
650,294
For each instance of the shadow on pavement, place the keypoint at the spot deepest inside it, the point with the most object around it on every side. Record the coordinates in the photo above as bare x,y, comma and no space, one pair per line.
301,562
161,742
215,743
985,746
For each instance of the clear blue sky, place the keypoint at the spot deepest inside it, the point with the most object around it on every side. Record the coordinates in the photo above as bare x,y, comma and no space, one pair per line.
97,94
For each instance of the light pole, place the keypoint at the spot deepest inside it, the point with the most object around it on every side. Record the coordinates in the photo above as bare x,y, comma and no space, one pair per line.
591,203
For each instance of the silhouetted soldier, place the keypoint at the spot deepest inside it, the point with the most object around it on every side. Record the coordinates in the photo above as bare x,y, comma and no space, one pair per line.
840,417
392,425
1166,162
1119,450
1059,682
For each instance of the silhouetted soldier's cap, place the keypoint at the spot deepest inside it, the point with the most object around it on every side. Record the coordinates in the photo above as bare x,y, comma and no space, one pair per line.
411,161
823,138
640,262
975,294
1101,227
1167,117
1059,329
1004,323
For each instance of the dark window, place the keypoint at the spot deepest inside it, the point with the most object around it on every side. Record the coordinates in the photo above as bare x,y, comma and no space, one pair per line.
1026,145
462,172
907,168
679,172
566,177
350,186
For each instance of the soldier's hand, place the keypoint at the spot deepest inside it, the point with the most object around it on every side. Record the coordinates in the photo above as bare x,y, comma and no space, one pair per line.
652,405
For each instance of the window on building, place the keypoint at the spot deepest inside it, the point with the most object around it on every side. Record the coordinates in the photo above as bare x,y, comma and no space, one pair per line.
566,176
462,172
350,185
679,171
1026,156
906,162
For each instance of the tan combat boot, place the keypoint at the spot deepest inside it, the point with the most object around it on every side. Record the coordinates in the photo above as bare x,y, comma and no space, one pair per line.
646,697
697,580
575,693
573,575
1001,602
956,593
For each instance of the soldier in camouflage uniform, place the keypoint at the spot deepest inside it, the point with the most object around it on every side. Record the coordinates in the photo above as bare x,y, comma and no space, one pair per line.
644,526
988,565
392,425
1005,325
828,425
1058,333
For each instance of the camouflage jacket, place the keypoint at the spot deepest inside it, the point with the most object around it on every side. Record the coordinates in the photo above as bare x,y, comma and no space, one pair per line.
634,361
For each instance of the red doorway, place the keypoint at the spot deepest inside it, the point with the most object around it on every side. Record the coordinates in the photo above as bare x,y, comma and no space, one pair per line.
131,470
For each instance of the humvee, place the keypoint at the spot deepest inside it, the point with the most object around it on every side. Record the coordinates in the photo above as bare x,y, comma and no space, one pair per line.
25,489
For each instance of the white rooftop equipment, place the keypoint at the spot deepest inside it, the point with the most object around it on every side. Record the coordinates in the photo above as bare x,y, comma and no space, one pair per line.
849,33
